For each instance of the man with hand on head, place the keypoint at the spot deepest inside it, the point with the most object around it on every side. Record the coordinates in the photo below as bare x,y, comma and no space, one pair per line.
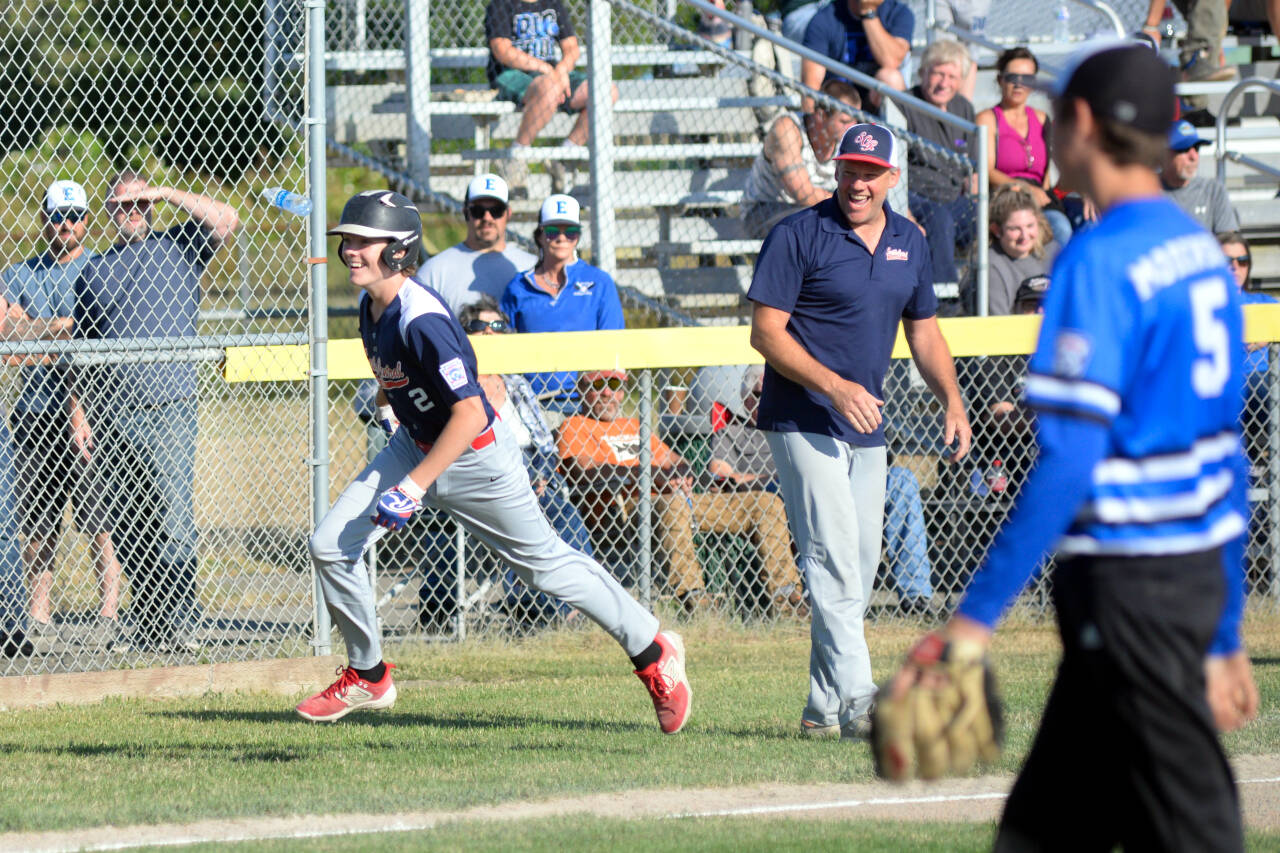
453,453
53,444
483,263
830,287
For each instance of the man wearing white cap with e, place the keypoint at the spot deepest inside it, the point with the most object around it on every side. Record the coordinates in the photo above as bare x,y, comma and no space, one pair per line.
483,263
831,285
562,293
52,444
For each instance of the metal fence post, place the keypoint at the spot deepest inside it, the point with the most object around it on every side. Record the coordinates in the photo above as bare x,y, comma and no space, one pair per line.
980,239
600,104
417,74
645,527
1273,466
319,328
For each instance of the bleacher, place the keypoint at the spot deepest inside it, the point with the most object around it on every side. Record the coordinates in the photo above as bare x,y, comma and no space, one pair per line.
687,127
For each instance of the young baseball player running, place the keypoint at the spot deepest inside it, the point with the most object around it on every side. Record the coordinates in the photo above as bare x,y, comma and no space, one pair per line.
451,452
1140,485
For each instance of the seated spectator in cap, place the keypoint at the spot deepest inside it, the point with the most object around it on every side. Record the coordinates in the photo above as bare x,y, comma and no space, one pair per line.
1019,134
483,263
514,401
600,454
942,191
871,36
1022,247
1257,388
533,49
1200,196
561,293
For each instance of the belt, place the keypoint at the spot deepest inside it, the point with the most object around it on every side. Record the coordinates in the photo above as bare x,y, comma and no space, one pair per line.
483,440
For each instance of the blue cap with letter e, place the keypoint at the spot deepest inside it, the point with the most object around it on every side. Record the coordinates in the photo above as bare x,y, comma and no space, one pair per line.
63,195
560,208
868,143
487,186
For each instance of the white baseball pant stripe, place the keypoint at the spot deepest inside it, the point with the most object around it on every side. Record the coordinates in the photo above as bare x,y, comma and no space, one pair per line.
834,493
488,492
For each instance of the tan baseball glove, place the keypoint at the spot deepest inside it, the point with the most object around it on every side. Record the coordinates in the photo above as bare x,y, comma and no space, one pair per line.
939,715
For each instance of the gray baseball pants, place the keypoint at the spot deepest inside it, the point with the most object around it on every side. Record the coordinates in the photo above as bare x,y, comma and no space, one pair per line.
834,494
488,492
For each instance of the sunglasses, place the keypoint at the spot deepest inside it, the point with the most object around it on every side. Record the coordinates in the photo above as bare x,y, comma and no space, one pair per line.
613,383
1239,260
475,327
495,211
58,217
1026,81
572,232
127,207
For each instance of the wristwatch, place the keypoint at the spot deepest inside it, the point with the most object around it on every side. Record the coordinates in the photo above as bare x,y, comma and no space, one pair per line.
866,16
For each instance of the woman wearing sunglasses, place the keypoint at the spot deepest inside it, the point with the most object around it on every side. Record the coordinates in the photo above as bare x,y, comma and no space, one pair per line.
1020,153
562,293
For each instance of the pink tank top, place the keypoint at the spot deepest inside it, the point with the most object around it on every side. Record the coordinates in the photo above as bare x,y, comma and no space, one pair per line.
1017,157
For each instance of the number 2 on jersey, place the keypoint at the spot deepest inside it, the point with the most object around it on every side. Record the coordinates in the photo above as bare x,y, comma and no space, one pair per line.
419,398
1210,371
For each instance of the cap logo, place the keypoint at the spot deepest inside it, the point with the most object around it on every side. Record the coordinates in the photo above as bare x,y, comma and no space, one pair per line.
488,183
387,200
866,142
561,207
67,194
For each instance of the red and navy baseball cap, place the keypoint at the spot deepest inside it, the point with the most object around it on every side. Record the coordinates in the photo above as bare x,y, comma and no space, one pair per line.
868,143
1120,80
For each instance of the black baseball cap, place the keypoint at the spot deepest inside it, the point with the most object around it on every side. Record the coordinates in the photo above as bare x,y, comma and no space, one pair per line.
1124,81
868,143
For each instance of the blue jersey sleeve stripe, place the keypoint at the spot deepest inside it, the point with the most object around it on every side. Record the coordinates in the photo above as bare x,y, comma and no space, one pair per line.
1146,510
1056,392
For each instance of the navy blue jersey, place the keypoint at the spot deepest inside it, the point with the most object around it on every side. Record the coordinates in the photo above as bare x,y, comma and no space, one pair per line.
845,304
421,359
1143,332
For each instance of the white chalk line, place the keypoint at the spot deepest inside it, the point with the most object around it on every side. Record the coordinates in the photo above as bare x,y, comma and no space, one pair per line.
412,824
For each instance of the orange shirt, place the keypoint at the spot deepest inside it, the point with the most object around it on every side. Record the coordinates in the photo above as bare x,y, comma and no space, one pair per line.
608,442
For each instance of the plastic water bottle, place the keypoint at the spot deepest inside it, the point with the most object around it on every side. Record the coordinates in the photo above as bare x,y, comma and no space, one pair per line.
997,480
1062,24
741,38
299,205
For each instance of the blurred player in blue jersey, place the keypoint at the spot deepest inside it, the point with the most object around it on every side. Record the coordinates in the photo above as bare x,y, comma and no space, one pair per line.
1140,490
452,453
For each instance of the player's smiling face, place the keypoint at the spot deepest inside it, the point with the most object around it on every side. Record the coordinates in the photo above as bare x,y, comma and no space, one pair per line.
363,258
861,189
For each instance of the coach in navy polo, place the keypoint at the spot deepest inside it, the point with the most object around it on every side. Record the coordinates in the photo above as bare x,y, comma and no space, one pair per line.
831,284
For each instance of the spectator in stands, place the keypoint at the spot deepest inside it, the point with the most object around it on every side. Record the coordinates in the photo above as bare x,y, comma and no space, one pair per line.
483,263
524,37
1200,54
970,15
1236,248
1200,196
1021,246
1019,134
49,425
941,191
143,416
714,28
871,36
796,15
794,170
562,293
514,401
600,453
906,543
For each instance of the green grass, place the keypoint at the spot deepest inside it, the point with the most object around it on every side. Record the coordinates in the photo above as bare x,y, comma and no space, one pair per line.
557,715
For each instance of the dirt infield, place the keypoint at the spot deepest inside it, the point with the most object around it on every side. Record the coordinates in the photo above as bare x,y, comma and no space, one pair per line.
978,799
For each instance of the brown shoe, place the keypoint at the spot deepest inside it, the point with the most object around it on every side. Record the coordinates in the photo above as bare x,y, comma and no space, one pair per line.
1201,68
695,600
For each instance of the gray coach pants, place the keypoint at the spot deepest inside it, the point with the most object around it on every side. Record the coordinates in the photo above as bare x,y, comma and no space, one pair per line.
488,492
834,494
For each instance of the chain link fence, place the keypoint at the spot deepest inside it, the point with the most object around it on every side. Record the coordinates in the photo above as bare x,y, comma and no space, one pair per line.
152,512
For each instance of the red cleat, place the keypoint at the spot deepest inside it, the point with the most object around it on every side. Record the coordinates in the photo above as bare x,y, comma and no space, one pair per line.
349,693
667,683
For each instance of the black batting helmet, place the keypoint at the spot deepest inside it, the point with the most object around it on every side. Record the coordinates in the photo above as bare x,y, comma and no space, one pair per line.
383,215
